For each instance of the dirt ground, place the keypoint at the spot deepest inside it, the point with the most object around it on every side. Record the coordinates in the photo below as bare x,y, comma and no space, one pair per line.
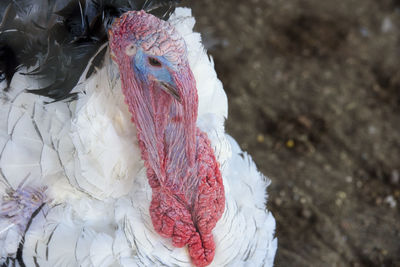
314,95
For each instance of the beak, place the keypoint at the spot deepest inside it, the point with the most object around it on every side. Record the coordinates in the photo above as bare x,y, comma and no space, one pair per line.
170,89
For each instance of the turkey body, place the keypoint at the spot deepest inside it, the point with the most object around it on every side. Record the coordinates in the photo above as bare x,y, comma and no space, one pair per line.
80,165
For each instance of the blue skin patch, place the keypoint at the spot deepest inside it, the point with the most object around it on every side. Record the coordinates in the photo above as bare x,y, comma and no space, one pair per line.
144,68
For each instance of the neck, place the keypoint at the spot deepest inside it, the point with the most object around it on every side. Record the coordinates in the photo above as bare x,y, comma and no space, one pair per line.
166,129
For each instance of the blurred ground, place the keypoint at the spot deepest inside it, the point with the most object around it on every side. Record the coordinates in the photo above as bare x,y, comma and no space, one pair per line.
314,95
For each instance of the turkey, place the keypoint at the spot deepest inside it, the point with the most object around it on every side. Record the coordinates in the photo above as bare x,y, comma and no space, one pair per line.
113,148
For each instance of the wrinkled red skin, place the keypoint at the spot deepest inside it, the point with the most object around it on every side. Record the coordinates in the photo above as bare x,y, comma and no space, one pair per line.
188,194
191,222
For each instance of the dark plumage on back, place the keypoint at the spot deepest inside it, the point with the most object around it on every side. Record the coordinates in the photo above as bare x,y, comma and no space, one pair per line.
60,37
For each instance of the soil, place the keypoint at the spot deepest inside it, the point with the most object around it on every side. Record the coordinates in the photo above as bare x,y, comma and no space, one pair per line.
314,97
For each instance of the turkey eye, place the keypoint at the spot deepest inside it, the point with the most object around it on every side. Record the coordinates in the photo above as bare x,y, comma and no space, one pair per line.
154,62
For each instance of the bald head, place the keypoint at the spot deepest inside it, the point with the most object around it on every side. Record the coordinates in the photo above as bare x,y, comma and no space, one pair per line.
137,29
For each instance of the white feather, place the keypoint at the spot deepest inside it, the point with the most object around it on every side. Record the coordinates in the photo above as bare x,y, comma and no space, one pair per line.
86,153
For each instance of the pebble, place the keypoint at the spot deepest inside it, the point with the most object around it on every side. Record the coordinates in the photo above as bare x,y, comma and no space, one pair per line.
327,167
372,130
395,177
305,121
341,195
290,143
391,201
260,138
387,25
257,65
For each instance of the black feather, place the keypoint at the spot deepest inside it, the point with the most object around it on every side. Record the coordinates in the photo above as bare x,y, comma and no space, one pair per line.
8,63
60,37
8,262
3,6
96,62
